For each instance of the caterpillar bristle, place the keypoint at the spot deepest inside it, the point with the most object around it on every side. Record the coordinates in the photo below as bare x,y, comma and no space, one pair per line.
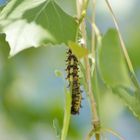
70,57
73,79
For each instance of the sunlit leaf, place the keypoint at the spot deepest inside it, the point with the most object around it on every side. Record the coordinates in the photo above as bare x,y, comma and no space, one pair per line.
77,49
31,23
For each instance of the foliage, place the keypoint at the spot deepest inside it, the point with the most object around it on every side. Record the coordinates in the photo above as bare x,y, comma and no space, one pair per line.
31,23
19,18
114,73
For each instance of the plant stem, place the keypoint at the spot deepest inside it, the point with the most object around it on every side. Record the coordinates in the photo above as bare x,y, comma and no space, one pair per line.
95,118
124,50
67,114
120,37
93,31
113,133
79,6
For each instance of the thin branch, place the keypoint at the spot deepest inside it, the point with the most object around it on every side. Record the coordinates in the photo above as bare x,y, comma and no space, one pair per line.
81,9
98,34
120,37
124,50
93,31
90,135
113,133
79,6
96,122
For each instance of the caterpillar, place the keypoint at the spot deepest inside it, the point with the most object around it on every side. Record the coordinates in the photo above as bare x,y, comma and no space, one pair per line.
73,79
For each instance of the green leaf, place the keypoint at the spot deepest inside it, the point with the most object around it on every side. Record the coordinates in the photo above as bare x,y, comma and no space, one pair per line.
67,115
31,23
113,71
105,100
130,97
77,49
111,62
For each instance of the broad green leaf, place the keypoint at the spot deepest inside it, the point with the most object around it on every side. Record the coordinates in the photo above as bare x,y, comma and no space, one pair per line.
31,23
77,49
111,62
114,73
108,104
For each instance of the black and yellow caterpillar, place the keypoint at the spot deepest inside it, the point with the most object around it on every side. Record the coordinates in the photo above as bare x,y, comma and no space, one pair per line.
73,79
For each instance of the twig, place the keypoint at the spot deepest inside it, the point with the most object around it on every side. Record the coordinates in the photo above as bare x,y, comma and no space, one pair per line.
96,122
124,50
93,31
98,34
91,134
113,133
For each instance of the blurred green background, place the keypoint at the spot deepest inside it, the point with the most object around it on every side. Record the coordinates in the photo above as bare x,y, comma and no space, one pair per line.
32,97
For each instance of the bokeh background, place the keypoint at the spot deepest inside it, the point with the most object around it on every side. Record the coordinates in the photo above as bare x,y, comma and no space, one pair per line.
32,98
